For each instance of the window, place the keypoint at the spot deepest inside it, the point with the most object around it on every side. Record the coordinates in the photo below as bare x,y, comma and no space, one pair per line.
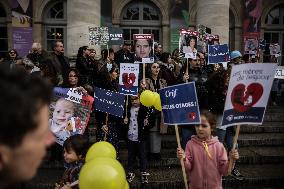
274,32
141,17
55,21
3,32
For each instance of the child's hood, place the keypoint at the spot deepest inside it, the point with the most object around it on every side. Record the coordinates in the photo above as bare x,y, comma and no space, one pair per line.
209,142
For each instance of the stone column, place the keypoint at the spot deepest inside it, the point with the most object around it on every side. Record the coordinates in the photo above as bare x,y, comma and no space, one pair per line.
81,14
215,15
238,38
166,36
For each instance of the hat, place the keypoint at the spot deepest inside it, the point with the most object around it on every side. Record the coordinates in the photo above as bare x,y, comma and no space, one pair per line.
235,54
126,42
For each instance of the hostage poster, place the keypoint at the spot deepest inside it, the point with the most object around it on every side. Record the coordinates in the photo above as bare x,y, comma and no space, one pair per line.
69,113
188,43
143,48
128,79
248,93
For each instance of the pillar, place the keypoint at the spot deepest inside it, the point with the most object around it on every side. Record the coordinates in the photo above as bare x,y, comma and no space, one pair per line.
215,15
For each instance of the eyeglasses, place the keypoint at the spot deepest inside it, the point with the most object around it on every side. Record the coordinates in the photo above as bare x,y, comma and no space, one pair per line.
156,67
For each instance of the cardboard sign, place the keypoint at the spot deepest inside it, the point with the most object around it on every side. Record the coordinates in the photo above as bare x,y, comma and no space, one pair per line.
218,54
248,93
180,104
144,48
128,79
69,113
109,102
188,43
279,73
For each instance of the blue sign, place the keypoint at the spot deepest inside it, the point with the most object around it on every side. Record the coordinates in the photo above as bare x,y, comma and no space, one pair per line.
218,54
109,102
180,104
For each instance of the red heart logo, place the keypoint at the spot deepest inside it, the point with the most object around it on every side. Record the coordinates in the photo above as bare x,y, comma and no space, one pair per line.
191,115
128,79
244,98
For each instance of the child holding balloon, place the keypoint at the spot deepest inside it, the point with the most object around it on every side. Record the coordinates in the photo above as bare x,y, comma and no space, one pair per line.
75,150
205,158
138,121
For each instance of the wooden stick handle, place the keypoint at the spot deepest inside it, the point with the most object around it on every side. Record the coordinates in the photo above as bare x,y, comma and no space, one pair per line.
105,136
144,72
181,160
231,163
126,105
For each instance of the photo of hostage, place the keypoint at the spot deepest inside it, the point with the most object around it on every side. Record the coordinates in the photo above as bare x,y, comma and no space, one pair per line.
189,47
21,12
144,50
63,122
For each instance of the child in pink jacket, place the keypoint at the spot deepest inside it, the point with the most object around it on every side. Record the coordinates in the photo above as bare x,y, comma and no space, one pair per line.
205,158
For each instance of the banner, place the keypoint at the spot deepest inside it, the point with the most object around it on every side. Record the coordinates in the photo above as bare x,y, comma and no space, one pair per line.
109,102
248,93
144,48
22,13
251,25
115,36
180,104
218,54
128,79
188,43
279,73
69,113
98,36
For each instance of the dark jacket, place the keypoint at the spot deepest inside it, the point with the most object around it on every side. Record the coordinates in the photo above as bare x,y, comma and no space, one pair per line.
61,65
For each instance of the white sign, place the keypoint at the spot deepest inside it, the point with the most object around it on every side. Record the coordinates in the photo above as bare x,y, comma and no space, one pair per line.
279,73
248,93
128,79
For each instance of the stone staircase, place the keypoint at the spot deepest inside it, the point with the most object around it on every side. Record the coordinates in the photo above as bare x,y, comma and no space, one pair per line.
261,160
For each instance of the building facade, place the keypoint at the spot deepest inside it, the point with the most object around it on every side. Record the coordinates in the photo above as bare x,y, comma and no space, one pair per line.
69,20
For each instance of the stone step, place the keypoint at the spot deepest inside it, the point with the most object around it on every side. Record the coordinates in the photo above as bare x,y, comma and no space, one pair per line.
256,176
267,127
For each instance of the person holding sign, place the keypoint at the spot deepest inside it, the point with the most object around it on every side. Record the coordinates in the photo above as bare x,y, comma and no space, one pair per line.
205,158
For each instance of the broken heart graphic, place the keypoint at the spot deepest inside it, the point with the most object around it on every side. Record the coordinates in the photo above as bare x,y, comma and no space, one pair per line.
243,98
128,79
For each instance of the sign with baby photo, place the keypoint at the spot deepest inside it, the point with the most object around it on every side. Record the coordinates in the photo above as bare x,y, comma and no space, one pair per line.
128,79
109,102
180,104
248,93
69,112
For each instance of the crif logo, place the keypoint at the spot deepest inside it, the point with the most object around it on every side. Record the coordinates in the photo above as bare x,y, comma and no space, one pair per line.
230,117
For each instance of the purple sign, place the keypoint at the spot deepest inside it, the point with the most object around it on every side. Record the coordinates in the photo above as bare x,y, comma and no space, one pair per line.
22,40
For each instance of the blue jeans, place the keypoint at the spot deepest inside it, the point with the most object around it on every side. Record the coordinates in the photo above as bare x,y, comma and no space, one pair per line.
226,136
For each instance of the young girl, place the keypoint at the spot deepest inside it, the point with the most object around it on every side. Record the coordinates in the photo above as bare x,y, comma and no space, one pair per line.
75,150
205,158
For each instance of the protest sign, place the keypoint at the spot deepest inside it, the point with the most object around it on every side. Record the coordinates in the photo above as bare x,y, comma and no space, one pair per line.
188,43
218,54
69,113
109,102
275,49
180,104
251,45
248,93
144,48
98,35
128,79
279,73
115,36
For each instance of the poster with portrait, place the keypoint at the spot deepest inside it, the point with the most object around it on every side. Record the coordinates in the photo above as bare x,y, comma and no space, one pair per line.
128,79
202,41
143,48
188,43
69,113
275,50
248,93
98,35
251,45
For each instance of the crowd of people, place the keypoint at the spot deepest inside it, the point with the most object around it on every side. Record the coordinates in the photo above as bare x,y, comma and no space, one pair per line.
141,127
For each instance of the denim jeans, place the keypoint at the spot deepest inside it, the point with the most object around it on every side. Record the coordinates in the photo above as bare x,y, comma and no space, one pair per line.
226,136
186,133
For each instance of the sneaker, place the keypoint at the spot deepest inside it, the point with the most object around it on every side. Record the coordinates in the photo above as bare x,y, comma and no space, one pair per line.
130,177
236,174
144,177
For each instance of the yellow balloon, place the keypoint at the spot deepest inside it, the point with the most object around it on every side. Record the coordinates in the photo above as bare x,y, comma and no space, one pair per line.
157,101
126,185
102,173
147,98
101,149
